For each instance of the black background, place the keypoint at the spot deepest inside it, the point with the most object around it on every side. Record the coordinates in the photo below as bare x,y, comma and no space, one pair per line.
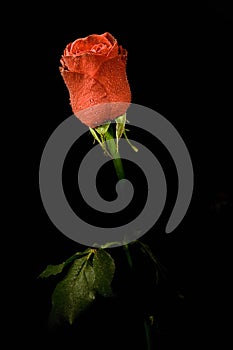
179,64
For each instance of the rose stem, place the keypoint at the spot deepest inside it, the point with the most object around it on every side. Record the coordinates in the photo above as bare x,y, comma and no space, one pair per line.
147,334
114,153
145,322
121,175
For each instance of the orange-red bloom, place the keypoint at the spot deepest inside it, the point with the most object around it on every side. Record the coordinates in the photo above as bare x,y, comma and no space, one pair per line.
94,71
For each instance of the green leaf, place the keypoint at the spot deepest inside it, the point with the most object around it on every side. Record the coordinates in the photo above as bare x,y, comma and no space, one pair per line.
52,270
77,256
74,293
78,289
104,268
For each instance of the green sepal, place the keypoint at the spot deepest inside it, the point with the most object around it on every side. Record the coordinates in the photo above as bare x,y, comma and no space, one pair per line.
120,128
102,129
100,140
132,146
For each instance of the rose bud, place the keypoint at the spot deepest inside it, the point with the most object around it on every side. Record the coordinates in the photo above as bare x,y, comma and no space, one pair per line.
94,71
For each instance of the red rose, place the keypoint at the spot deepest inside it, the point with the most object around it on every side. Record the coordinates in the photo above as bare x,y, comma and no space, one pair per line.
94,71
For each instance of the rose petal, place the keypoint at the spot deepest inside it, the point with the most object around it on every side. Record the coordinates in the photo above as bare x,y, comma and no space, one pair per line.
94,71
82,64
85,45
112,75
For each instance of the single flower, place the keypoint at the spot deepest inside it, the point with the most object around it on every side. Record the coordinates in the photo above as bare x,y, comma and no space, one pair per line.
94,71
